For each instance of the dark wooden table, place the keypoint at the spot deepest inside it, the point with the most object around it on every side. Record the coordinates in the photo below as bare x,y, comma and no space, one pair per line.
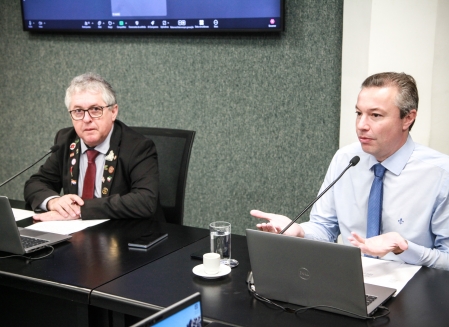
423,302
55,291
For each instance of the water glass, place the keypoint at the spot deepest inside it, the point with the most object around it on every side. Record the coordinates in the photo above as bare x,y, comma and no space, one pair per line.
220,242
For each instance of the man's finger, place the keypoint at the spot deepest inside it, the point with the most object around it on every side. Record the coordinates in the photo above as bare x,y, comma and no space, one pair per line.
37,217
76,199
265,227
403,245
69,208
60,208
260,214
44,216
264,215
358,238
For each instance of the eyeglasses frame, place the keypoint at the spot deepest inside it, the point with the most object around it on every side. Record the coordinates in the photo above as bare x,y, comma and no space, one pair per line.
87,110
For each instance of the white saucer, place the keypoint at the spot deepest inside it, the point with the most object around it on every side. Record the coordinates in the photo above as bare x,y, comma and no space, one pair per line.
223,271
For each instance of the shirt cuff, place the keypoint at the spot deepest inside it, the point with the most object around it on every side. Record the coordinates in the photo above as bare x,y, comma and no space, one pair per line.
413,254
311,232
43,205
307,232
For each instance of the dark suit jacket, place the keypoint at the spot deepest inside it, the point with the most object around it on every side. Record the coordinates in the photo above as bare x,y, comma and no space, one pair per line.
130,182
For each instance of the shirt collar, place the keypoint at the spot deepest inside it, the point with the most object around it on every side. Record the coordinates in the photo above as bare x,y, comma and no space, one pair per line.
103,147
397,161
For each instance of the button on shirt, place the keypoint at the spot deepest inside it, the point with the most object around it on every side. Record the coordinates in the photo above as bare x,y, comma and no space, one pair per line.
415,202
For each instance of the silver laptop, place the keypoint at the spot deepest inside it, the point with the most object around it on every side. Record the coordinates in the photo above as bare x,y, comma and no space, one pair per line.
312,273
185,313
18,240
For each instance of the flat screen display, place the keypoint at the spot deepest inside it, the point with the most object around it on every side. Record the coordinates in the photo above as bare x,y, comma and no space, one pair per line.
188,317
152,16
185,313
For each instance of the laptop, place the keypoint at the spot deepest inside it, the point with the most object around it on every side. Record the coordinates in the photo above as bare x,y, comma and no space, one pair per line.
185,313
18,240
312,273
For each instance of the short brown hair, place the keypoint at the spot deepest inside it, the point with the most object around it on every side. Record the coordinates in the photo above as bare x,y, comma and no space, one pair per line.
407,98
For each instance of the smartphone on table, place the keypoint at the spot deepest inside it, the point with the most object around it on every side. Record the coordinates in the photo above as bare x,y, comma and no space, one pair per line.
145,241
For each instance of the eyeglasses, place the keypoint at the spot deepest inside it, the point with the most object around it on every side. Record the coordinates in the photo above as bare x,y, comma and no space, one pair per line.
94,112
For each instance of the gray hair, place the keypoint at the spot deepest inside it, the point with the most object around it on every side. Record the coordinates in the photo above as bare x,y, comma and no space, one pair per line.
90,82
407,98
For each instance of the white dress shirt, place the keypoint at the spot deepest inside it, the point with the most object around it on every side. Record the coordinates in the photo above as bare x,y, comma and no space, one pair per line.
102,148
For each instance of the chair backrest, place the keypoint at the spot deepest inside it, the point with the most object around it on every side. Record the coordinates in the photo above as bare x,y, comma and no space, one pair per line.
173,148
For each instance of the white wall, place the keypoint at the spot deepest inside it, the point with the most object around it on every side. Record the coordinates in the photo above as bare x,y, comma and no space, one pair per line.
439,133
410,36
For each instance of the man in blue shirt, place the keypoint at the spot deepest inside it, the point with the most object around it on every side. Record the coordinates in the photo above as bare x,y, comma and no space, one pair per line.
415,211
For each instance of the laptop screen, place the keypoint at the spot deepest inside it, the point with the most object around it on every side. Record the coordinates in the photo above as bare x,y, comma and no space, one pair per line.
190,317
185,313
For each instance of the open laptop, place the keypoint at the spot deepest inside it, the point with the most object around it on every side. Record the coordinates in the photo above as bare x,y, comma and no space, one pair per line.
185,313
18,240
312,273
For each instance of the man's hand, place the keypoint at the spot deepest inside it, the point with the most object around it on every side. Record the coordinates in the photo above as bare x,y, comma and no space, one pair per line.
67,206
379,246
276,223
53,215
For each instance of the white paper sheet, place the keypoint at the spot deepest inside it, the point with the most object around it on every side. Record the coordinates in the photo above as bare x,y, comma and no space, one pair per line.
65,227
20,214
391,274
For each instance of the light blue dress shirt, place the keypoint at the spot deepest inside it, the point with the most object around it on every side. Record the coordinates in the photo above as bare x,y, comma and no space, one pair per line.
415,202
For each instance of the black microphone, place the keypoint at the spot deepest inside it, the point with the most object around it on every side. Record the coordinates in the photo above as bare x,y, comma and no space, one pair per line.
354,161
54,148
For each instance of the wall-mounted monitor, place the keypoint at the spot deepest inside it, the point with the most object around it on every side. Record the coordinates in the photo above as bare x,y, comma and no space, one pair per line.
152,16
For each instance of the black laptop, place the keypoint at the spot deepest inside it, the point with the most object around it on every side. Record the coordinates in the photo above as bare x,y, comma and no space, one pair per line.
185,313
310,273
18,240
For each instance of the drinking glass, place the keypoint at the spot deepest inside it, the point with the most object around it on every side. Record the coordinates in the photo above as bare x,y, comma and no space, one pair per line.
220,242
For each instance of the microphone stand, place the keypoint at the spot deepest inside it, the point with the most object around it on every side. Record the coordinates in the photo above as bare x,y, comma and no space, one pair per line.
53,149
354,161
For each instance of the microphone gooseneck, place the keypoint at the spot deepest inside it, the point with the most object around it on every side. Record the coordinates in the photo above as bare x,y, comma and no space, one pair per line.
54,148
354,161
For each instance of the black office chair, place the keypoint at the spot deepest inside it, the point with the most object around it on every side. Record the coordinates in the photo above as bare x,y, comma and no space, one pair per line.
173,149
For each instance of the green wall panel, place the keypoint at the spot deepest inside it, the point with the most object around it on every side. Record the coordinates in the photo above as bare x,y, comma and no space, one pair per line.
265,107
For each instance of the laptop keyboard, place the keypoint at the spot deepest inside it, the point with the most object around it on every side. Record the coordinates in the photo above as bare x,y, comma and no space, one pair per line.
369,299
30,241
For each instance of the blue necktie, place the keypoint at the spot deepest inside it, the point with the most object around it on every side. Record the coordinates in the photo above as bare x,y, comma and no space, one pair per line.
375,202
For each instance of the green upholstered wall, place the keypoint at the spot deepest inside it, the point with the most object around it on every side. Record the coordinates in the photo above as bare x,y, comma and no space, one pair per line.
265,107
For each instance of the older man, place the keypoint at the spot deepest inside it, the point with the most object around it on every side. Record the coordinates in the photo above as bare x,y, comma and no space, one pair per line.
410,221
105,169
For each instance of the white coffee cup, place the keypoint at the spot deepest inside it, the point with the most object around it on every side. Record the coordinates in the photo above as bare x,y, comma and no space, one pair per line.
211,263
